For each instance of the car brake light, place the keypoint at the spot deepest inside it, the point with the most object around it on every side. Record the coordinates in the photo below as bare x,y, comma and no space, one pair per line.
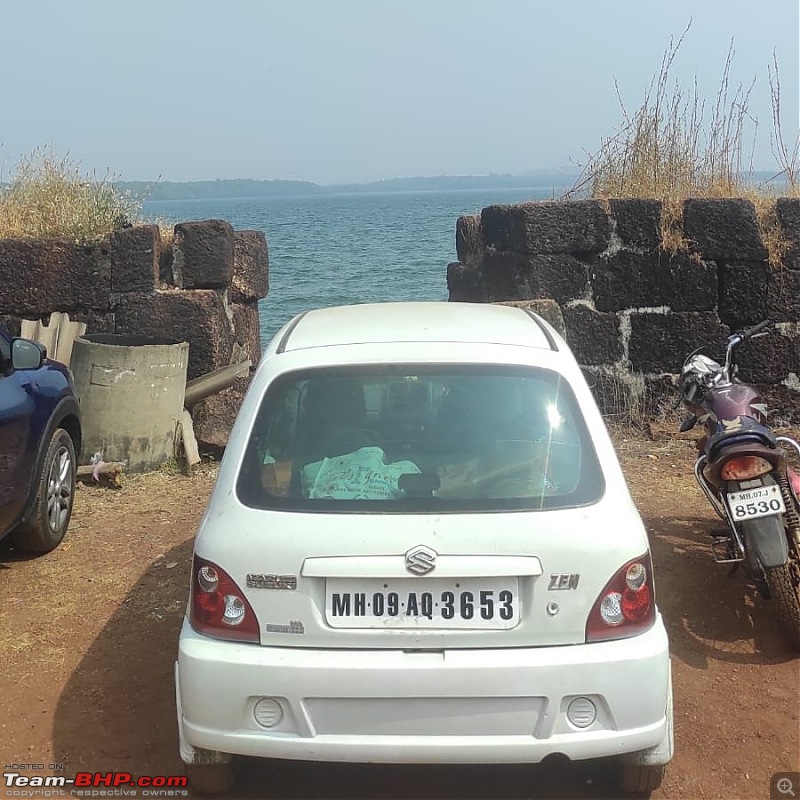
218,606
743,468
626,606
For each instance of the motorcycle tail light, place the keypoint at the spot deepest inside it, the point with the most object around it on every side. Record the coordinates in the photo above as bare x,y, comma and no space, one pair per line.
218,606
743,468
626,606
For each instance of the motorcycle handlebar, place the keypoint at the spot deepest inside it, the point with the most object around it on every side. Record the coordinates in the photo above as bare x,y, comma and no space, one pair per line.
750,332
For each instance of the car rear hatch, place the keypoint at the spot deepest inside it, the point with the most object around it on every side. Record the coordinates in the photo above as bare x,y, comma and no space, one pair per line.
425,581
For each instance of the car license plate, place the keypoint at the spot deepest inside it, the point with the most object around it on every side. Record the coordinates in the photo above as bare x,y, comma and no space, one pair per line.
464,603
753,503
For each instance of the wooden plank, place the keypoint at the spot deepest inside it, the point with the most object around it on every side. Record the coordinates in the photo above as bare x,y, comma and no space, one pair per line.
188,440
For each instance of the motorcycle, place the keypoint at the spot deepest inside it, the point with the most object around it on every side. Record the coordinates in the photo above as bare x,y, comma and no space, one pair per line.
743,469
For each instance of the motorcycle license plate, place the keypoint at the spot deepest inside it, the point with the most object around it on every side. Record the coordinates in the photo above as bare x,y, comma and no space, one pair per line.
762,501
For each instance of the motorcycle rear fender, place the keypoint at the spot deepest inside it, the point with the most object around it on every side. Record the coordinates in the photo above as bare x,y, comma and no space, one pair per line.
765,539
724,453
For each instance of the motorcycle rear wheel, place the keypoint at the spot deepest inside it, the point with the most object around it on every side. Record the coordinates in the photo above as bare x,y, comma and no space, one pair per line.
784,585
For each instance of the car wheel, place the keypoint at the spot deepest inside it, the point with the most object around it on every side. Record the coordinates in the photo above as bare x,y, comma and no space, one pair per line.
640,778
44,529
210,778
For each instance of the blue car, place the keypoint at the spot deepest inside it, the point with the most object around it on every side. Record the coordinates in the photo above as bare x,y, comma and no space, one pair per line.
40,437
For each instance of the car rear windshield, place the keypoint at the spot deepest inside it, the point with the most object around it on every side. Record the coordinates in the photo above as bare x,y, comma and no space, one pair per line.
419,438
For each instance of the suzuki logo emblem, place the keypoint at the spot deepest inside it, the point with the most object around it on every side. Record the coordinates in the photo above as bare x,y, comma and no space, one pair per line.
420,560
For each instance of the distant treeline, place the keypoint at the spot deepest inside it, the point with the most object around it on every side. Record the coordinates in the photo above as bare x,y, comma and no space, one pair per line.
245,187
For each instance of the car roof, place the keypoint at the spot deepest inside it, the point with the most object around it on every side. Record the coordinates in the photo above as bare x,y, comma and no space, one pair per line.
470,323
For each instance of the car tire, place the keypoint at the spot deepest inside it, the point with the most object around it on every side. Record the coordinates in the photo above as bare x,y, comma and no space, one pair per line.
44,528
210,778
640,778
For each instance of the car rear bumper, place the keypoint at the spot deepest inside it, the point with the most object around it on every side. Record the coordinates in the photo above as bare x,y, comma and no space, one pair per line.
453,706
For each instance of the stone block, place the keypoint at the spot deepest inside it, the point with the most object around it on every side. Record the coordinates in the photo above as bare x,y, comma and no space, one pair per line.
560,277
502,276
96,321
213,417
247,329
638,222
783,295
548,310
516,276
723,229
10,324
687,283
783,404
44,275
593,336
787,210
198,317
743,293
766,359
660,342
87,278
469,240
629,279
135,257
622,280
203,254
250,279
581,226
465,284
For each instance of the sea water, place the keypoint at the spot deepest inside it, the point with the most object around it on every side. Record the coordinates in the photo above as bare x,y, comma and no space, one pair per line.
336,249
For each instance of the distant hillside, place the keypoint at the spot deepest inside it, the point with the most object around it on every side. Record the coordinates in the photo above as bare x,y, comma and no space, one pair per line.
203,190
244,187
534,180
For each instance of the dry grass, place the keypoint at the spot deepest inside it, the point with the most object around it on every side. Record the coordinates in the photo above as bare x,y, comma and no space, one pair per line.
48,196
668,150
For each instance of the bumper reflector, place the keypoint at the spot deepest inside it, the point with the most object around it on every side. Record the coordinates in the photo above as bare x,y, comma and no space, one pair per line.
581,712
268,712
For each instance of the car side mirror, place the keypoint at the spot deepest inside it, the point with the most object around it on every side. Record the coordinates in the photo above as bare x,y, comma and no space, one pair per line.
26,354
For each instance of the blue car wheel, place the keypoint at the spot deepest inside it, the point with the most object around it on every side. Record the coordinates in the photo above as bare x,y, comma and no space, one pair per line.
44,529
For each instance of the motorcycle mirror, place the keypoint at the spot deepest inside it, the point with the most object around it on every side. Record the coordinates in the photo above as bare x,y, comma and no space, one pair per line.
688,424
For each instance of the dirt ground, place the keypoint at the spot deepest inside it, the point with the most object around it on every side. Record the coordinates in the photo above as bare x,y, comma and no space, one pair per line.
88,638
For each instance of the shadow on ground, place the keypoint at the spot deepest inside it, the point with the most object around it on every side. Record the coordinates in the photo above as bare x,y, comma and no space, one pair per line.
711,613
117,713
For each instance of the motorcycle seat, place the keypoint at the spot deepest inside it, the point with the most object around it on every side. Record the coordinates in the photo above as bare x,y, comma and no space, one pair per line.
743,430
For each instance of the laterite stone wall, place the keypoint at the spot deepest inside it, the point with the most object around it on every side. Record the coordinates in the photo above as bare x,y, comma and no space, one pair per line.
632,311
203,289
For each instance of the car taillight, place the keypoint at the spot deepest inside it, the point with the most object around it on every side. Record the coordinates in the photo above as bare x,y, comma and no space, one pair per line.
218,606
743,468
626,606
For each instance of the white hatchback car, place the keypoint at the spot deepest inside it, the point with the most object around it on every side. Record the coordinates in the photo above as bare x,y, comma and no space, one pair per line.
421,549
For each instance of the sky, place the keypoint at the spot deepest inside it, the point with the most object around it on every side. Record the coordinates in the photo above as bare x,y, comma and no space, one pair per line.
335,91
